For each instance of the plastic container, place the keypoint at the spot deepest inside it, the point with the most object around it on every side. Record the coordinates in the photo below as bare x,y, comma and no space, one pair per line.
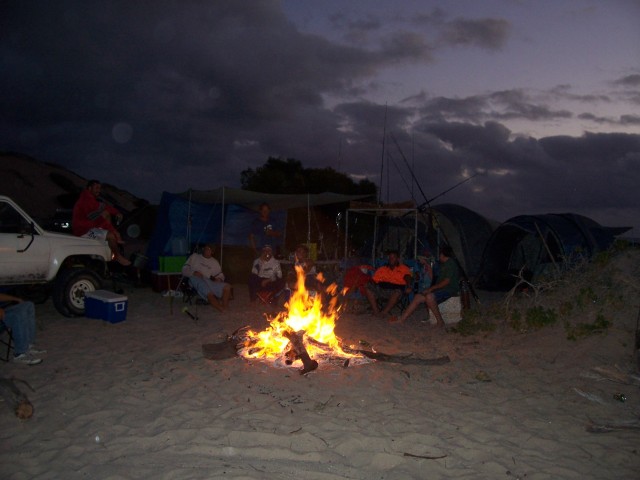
179,246
105,305
172,264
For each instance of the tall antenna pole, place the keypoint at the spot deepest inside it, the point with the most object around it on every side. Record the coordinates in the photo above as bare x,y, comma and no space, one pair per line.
384,136
413,160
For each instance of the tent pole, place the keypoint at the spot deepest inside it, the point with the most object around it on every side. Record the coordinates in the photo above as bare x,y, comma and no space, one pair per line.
222,228
375,239
415,235
346,236
189,223
546,246
308,222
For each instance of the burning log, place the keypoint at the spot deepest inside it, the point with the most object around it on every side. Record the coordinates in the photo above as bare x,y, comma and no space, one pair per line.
300,351
14,397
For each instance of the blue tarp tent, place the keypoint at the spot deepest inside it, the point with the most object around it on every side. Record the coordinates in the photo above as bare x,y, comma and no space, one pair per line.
221,216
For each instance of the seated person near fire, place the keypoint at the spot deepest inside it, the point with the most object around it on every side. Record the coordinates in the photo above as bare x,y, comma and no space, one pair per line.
206,277
301,259
391,281
92,218
445,286
266,276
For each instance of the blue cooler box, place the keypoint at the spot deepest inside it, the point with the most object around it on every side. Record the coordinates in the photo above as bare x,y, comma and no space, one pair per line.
105,305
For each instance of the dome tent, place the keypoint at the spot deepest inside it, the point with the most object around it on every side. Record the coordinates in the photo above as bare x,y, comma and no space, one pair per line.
534,244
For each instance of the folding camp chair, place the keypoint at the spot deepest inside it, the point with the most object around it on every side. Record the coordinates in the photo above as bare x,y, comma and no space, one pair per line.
353,283
6,338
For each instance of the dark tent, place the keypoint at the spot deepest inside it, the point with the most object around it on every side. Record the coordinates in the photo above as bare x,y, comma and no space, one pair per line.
466,231
537,244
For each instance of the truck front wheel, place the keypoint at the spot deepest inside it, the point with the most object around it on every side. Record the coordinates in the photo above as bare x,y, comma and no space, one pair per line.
70,288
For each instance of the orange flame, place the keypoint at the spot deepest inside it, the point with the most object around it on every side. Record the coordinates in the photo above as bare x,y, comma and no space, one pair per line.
304,312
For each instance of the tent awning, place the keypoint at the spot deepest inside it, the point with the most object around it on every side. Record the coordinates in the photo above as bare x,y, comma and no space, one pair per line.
276,201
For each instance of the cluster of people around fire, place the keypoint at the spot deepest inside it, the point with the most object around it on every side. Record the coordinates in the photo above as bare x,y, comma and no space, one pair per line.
384,288
392,283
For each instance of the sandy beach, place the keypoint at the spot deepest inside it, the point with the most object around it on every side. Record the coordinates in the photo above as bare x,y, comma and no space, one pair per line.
137,400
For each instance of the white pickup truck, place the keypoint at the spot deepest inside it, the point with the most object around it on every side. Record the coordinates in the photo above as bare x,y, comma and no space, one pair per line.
66,266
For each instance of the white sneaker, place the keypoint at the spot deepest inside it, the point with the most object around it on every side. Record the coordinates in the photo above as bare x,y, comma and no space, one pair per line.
27,359
35,351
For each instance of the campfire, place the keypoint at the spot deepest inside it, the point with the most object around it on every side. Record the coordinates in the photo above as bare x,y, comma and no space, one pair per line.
305,331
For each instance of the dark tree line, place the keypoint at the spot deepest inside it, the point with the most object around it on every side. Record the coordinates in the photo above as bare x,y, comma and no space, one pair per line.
289,176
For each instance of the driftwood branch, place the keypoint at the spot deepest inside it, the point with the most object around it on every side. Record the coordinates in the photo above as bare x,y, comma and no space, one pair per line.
15,398
611,427
402,359
428,457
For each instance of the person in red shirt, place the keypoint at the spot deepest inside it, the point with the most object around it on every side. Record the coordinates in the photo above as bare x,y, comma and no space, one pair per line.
391,280
92,219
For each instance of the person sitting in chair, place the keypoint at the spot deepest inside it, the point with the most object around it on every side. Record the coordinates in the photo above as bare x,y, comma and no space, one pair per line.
446,285
301,259
392,280
265,276
21,319
206,277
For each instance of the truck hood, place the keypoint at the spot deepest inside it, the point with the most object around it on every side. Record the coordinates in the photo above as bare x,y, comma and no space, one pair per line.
82,245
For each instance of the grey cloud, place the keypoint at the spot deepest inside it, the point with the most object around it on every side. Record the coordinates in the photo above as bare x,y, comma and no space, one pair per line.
629,81
594,118
356,31
562,92
502,105
403,46
189,94
630,120
468,108
622,120
515,104
488,33
587,174
437,17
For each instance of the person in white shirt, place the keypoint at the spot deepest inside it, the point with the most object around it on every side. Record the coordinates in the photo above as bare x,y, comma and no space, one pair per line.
206,277
265,278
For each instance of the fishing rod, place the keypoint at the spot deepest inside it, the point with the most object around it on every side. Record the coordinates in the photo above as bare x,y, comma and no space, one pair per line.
427,202
455,186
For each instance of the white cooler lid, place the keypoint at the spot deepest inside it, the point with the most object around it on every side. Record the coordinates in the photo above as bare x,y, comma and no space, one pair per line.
106,296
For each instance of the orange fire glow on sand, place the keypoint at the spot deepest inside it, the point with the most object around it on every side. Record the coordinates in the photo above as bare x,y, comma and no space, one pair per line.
304,312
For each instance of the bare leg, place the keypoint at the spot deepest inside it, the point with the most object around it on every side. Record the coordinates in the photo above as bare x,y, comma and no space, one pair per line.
393,299
214,302
226,296
372,301
415,303
113,245
433,306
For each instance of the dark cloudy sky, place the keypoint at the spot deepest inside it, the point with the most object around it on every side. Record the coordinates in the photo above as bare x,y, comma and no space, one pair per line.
540,98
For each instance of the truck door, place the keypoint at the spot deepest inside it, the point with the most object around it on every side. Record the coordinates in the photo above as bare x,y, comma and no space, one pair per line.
24,254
